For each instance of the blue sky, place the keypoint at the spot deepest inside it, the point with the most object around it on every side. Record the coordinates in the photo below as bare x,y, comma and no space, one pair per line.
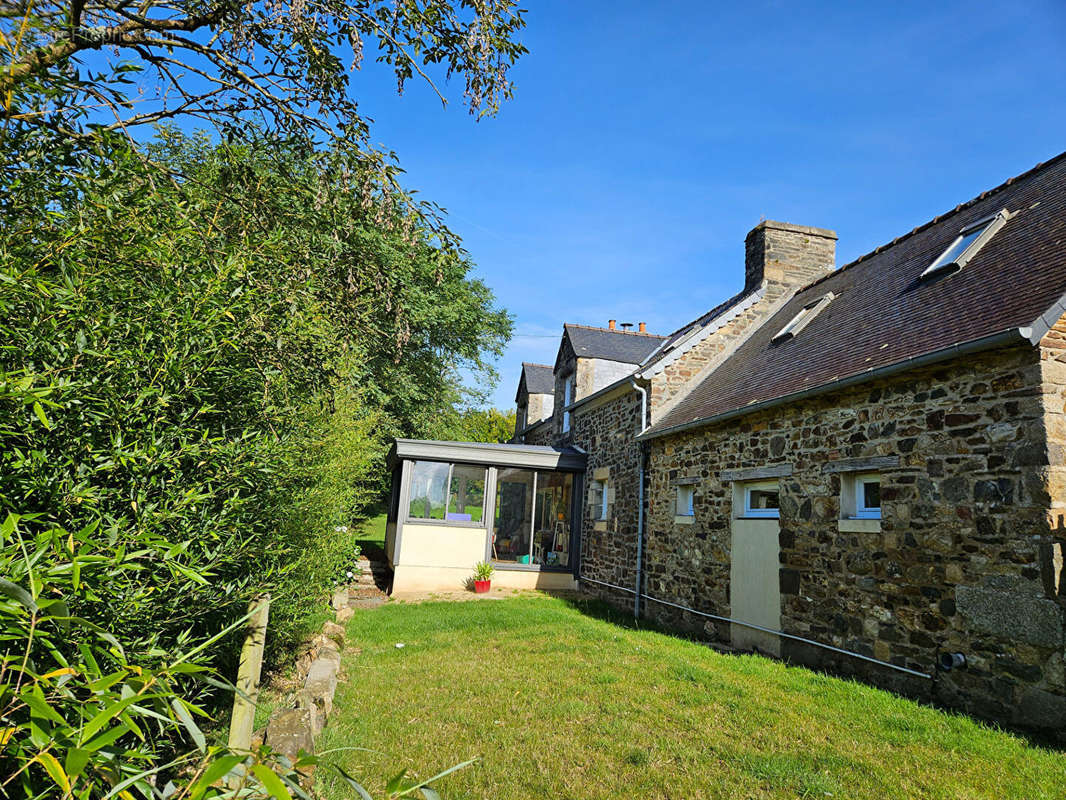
646,138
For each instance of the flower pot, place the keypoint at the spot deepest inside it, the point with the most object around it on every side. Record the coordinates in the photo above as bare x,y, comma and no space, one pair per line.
482,586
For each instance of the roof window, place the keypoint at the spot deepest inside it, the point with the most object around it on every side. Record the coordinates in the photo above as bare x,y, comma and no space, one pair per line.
965,246
801,320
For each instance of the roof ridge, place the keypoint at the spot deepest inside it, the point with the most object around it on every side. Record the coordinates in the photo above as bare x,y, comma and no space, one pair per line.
941,217
534,364
612,330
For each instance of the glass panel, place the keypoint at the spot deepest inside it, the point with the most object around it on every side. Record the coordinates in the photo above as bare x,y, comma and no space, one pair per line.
598,488
551,536
684,501
871,494
429,485
763,499
514,515
466,496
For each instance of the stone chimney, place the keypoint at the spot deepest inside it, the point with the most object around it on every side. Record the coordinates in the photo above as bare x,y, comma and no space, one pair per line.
785,253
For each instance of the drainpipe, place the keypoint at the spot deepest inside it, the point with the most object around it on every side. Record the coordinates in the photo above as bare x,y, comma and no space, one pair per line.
640,493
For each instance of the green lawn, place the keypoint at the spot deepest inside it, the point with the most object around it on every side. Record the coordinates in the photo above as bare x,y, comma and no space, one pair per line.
559,702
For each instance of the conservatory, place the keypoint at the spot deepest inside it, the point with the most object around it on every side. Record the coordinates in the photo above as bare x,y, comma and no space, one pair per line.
454,504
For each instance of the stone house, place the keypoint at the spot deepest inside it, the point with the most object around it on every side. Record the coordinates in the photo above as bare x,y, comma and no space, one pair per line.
535,399
860,469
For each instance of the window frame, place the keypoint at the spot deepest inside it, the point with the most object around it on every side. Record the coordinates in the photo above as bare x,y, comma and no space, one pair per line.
689,508
805,316
988,227
760,513
859,510
568,398
600,509
408,519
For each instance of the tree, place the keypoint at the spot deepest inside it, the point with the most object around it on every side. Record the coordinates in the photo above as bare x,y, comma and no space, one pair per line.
226,61
483,425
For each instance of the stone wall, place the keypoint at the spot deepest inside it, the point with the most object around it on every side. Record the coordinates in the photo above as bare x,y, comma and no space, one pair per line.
962,555
607,431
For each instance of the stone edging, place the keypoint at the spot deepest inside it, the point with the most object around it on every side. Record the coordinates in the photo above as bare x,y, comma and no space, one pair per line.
296,726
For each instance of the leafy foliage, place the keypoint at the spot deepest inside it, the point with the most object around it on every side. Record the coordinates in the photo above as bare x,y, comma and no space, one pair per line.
286,63
198,376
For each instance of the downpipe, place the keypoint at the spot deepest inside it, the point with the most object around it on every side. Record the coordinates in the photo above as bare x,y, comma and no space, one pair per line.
643,457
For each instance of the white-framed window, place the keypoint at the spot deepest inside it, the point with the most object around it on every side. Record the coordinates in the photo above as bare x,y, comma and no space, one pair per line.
686,497
568,398
966,244
803,318
863,501
599,499
762,499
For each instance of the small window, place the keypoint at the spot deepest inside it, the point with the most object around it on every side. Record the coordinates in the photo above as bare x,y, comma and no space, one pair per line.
599,500
568,398
762,499
686,496
803,318
866,496
965,246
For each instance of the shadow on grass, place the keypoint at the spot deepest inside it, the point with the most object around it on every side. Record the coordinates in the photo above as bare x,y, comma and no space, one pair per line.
596,608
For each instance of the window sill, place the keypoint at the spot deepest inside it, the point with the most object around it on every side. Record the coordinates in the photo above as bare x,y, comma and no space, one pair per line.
859,526
449,523
684,519
510,566
759,518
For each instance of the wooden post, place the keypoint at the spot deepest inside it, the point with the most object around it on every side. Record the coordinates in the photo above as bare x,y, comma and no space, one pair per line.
244,701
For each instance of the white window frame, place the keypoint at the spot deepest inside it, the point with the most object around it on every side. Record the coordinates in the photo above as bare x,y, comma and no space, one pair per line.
568,398
685,504
988,227
860,511
761,513
601,508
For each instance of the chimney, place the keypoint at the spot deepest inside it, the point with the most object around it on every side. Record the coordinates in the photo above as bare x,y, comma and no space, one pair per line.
626,326
643,327
790,254
610,324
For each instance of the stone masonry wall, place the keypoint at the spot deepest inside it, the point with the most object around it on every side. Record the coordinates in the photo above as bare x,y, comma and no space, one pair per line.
963,554
608,548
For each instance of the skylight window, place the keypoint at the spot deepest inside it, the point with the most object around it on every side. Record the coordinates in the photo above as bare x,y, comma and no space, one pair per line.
965,246
803,318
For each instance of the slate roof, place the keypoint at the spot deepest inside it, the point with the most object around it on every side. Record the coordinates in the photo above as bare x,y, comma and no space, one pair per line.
629,347
539,378
883,314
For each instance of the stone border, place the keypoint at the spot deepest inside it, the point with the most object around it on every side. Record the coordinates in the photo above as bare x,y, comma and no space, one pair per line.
296,726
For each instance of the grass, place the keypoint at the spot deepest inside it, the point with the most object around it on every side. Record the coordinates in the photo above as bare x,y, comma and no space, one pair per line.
559,701
371,536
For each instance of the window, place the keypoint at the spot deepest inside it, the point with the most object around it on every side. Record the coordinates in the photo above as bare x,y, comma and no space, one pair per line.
969,240
520,421
762,499
803,318
686,496
446,492
599,499
532,520
863,501
568,398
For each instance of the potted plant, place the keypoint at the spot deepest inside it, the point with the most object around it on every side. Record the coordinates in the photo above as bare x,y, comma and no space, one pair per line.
483,577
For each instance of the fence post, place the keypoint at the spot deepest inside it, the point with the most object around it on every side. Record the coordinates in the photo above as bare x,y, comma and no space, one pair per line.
247,695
